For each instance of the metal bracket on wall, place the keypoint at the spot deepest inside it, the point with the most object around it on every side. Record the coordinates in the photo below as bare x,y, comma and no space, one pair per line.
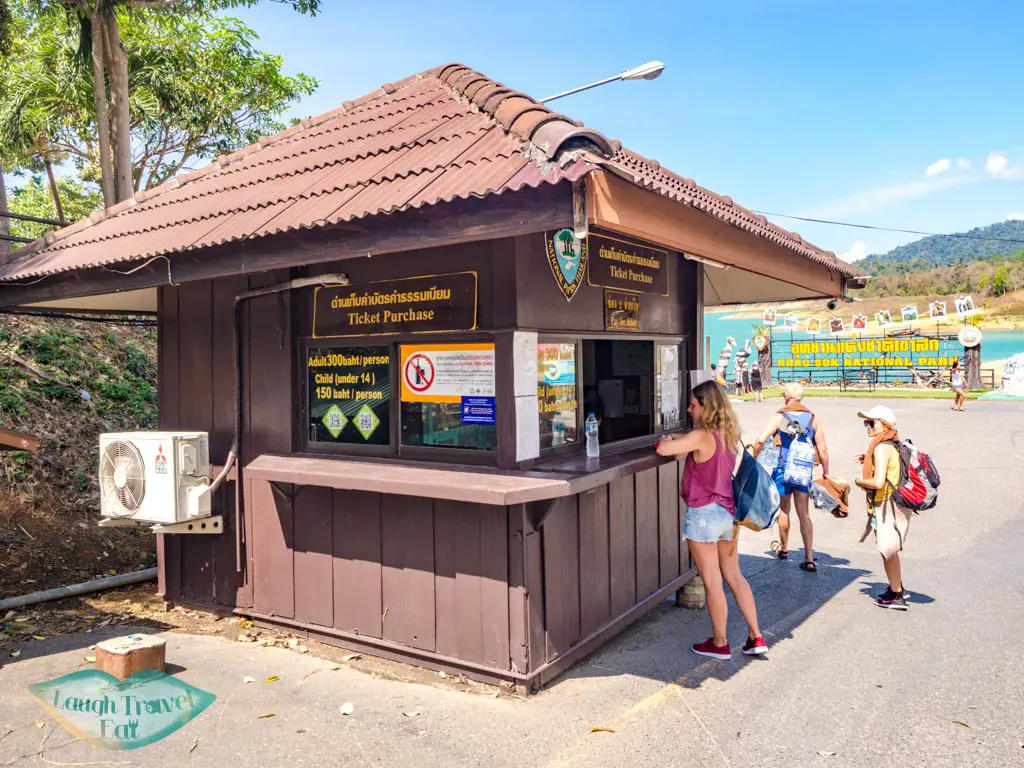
205,525
538,511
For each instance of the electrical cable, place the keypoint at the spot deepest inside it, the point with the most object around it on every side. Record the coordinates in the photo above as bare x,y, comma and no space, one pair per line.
962,236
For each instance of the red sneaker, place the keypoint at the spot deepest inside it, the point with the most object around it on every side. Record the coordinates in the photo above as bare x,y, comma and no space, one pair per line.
755,647
712,651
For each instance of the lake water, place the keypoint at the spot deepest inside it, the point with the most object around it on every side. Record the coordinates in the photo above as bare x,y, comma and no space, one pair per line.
996,345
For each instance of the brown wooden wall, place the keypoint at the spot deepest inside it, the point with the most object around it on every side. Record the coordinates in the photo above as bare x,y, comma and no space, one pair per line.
467,581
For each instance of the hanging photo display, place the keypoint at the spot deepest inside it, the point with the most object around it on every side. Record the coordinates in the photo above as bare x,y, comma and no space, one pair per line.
835,325
964,305
860,322
909,314
883,318
769,316
791,321
814,325
969,336
937,309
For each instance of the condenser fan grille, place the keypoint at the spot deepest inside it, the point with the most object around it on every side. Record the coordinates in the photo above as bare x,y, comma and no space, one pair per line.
122,477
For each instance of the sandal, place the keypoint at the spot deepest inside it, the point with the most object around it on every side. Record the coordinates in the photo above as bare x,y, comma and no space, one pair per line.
809,566
782,554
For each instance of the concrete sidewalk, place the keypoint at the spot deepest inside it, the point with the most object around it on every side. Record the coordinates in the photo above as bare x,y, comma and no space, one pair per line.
845,684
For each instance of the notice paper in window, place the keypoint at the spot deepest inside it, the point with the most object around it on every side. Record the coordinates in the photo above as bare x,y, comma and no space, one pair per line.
447,373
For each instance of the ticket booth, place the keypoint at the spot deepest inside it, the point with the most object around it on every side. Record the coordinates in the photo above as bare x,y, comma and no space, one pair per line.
398,317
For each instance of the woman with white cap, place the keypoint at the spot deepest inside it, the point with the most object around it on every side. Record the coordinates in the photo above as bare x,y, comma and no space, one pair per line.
889,521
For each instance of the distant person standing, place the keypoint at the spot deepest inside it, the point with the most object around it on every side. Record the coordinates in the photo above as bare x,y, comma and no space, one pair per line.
738,378
889,521
756,384
746,379
959,385
800,438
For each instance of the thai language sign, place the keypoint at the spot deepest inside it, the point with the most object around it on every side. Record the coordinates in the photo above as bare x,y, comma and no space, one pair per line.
98,708
410,305
447,373
349,394
621,311
917,352
629,266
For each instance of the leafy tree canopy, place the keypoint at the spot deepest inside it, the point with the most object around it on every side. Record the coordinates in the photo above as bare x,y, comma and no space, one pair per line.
33,199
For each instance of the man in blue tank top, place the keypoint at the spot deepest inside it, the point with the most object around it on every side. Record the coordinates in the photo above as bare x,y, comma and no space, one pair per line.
800,438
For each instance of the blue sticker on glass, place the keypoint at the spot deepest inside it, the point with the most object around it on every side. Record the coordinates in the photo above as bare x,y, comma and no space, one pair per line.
478,410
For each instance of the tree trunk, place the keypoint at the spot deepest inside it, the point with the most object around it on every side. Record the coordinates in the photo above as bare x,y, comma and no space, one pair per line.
54,192
117,68
972,367
99,87
764,362
5,223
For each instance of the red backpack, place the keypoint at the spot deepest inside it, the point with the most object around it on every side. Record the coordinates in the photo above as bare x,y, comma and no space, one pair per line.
919,479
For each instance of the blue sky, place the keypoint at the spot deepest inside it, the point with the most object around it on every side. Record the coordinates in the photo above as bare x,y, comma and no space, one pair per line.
902,113
824,108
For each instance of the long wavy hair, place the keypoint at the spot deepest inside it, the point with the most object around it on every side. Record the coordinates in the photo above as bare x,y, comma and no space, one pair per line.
717,414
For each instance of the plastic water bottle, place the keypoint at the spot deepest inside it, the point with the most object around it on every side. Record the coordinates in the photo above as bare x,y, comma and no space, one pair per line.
590,428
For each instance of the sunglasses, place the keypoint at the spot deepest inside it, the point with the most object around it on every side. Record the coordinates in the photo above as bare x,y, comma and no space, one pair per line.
869,423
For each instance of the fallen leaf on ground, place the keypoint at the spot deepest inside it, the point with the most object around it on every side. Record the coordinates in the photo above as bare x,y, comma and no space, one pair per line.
264,717
961,722
301,730
442,674
38,637
347,708
302,649
292,642
245,623
15,654
272,679
823,753
351,657
599,729
193,747
40,723
90,659
414,713
248,679
8,615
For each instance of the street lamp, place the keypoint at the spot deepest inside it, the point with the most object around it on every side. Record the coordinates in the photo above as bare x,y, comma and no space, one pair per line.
649,71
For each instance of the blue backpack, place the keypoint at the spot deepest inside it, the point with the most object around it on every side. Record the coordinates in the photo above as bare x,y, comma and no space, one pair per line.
756,497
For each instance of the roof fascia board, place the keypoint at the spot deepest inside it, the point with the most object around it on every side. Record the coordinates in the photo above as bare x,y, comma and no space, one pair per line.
507,215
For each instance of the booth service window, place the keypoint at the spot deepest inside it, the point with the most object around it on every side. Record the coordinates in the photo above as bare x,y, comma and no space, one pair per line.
448,396
349,395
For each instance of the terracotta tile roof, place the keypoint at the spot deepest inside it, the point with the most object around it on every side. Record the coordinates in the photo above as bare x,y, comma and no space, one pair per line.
445,134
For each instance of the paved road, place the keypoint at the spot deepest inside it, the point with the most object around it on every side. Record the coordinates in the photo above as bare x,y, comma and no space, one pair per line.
845,684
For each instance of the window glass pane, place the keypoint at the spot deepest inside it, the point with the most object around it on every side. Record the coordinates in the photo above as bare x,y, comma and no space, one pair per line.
448,396
349,390
556,394
618,387
668,386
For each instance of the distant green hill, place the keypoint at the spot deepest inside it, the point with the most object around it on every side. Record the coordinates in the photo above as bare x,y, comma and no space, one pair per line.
947,251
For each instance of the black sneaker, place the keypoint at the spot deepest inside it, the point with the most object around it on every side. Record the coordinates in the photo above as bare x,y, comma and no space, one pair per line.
890,599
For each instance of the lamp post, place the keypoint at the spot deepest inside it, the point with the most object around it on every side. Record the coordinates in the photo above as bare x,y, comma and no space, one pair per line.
649,71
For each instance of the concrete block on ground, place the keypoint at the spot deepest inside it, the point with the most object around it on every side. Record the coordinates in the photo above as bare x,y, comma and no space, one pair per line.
122,657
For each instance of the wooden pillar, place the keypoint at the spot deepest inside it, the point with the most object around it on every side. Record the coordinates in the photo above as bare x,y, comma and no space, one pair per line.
972,367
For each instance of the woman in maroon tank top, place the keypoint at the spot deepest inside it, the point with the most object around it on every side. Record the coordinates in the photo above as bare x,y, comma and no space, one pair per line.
710,451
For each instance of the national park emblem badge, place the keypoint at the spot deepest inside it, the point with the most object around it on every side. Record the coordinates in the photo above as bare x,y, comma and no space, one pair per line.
567,255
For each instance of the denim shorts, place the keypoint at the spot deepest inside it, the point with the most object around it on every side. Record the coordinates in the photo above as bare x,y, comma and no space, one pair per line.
785,488
709,523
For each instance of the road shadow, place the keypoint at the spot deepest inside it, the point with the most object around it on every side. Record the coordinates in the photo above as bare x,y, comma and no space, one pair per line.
658,647
874,588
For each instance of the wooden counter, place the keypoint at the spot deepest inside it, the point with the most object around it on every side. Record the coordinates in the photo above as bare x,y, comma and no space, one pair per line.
551,479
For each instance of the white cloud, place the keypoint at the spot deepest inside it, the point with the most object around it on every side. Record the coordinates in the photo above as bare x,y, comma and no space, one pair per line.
998,167
856,252
938,167
1015,217
880,198
963,164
